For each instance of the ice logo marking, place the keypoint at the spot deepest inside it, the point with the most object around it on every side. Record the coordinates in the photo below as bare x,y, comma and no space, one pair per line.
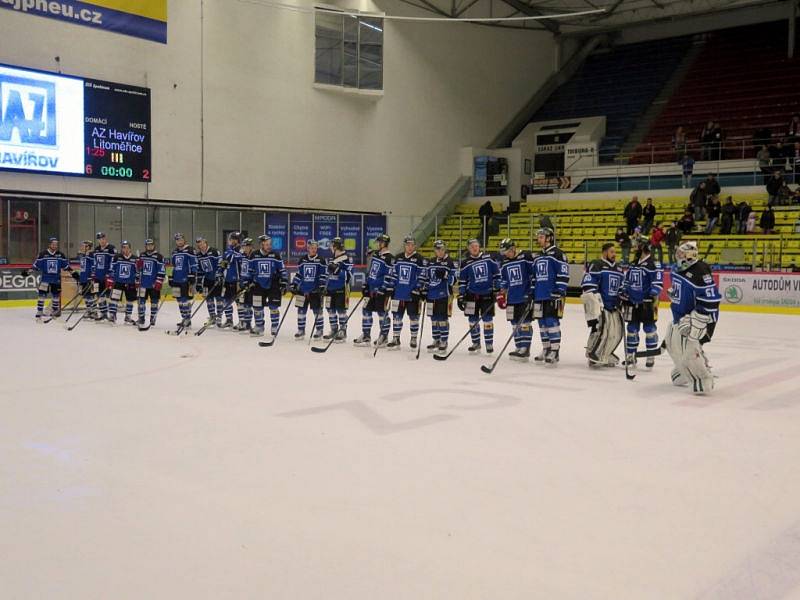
27,111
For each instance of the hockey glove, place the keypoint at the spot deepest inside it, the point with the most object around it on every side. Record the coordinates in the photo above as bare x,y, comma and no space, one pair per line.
593,325
157,285
75,275
461,302
109,283
698,325
333,268
502,300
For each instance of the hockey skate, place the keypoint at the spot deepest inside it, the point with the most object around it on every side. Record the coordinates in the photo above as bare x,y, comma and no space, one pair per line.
129,321
341,336
382,341
413,342
541,357
551,358
299,336
394,344
650,362
332,334
489,348
362,340
522,355
474,349
317,335
432,347
257,331
442,349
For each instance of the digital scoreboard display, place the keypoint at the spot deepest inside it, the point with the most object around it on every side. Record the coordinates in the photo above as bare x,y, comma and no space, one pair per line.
63,125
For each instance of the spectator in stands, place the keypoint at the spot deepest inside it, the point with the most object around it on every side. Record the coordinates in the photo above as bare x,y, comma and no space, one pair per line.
706,140
794,161
714,210
686,222
743,213
777,155
784,195
728,214
632,214
794,128
679,143
764,163
712,185
775,183
687,166
699,199
486,212
751,222
717,139
673,239
656,238
767,222
649,214
624,244
762,137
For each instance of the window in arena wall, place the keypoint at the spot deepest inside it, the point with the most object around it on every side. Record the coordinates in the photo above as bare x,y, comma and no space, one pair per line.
348,51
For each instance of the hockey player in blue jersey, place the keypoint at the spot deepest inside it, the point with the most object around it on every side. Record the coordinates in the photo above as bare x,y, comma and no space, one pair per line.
50,262
231,269
244,306
85,278
551,277
209,281
601,286
439,296
406,283
104,253
308,286
267,273
695,311
516,281
337,290
121,281
380,263
151,278
184,272
478,280
641,288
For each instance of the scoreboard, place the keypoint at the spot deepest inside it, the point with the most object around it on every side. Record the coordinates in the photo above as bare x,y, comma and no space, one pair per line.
63,125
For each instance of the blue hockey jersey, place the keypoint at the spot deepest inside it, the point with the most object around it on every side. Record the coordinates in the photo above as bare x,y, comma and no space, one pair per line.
208,264
379,267
441,277
123,269
87,267
50,264
408,274
551,274
151,269
694,289
340,272
516,278
606,279
311,275
479,275
232,259
245,274
267,270
102,261
643,281
184,264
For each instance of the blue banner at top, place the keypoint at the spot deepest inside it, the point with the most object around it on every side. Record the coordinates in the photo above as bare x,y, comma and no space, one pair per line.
146,19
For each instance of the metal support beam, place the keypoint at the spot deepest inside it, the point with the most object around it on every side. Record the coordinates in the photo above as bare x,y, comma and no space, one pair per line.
532,12
792,26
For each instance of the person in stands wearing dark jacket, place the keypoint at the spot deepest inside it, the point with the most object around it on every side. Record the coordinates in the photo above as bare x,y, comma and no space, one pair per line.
624,242
706,140
743,211
649,214
712,185
486,212
699,199
632,214
774,186
714,209
686,222
767,222
672,236
728,214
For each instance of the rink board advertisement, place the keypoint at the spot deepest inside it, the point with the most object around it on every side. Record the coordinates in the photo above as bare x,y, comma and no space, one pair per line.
760,289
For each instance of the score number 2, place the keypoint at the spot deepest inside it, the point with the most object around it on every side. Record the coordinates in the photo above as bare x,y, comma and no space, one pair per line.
146,174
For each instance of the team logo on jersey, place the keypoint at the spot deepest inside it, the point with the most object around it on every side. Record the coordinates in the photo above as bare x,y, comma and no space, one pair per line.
124,270
27,111
636,279
205,264
148,267
101,261
179,262
52,266
481,272
405,274
675,293
613,285
374,270
309,272
541,269
514,275
264,268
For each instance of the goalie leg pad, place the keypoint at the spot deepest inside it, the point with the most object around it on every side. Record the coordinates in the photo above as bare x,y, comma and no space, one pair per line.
592,305
691,366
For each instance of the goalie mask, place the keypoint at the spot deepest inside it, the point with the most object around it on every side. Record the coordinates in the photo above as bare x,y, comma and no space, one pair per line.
686,255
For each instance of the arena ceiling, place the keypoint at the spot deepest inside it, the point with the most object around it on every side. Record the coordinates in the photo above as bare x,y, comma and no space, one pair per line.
616,14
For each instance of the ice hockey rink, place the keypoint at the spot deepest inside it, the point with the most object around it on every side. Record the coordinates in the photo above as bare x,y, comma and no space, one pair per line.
139,465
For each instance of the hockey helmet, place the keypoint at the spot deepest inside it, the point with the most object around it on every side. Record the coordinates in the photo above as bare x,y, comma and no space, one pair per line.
409,239
645,247
125,243
473,241
383,239
337,243
547,232
262,238
100,235
149,242
248,241
439,245
686,255
179,236
52,239
235,235
313,242
506,245
87,243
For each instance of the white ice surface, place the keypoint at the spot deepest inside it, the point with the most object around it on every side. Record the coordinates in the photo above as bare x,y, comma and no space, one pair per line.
138,465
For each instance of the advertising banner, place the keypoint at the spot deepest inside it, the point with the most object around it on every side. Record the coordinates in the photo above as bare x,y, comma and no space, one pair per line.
278,230
300,231
146,19
324,232
374,225
351,233
760,289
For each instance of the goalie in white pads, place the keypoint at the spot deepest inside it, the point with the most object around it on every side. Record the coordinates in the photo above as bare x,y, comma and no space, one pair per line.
601,285
695,310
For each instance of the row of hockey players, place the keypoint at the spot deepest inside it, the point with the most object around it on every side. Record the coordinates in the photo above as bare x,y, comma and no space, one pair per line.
528,287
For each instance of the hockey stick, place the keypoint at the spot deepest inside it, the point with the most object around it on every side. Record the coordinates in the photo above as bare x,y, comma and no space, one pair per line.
158,309
85,314
463,337
325,348
421,327
489,370
269,343
210,321
77,297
